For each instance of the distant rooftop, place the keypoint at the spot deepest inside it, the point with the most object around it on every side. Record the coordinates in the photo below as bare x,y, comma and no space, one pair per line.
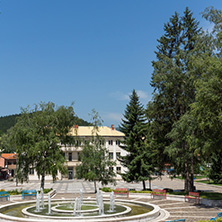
88,131
9,155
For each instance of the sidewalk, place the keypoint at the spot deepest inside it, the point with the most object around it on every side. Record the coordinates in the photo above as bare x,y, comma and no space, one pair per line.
73,186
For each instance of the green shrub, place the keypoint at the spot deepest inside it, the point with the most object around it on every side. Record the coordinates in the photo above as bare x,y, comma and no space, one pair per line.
143,191
106,189
168,190
14,192
47,190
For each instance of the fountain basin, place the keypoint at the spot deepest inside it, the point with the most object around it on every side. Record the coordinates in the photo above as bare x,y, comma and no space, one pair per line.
152,214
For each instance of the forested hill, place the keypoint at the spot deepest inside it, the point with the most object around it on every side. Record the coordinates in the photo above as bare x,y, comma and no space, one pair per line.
7,122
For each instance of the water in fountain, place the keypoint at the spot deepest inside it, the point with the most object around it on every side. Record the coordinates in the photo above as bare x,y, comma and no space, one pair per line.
37,202
97,196
77,207
81,196
101,205
42,198
74,209
112,202
49,204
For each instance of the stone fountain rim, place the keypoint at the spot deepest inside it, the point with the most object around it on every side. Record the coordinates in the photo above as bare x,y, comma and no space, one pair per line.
151,214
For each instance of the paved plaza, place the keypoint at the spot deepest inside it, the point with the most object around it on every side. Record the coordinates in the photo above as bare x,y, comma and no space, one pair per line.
67,189
72,186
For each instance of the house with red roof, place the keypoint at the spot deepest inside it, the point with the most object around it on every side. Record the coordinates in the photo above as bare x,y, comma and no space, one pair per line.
7,165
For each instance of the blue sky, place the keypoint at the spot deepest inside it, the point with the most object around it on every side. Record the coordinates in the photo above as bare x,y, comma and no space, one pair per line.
90,52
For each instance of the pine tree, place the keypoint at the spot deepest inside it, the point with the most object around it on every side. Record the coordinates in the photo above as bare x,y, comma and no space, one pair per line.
139,159
173,82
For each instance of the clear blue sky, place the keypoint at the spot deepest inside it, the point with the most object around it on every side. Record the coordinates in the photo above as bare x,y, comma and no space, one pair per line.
90,52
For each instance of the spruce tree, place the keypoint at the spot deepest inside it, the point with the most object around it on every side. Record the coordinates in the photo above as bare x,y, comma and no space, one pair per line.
138,160
173,82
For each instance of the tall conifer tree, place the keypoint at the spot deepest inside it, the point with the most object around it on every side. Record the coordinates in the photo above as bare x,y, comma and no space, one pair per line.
173,83
134,126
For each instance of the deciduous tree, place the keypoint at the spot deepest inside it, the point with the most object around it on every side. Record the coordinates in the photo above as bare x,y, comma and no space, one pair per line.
95,163
38,134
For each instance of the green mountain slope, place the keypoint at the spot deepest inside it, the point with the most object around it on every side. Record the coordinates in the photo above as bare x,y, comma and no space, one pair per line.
6,122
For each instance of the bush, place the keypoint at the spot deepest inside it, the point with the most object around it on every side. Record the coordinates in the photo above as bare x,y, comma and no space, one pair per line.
147,190
143,191
15,192
47,190
168,190
106,189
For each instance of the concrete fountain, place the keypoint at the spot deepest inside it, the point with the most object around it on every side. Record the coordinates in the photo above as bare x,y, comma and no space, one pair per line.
98,209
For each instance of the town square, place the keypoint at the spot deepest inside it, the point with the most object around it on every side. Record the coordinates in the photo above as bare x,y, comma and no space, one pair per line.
111,110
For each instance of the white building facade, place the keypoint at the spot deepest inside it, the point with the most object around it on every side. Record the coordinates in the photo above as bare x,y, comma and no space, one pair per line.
112,139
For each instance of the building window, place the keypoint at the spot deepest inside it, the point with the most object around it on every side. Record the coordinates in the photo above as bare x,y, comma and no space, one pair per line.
117,154
111,169
111,155
77,143
110,142
118,169
31,171
117,142
102,142
70,156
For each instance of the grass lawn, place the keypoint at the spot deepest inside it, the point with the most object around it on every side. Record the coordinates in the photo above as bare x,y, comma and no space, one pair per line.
196,177
205,195
208,182
197,180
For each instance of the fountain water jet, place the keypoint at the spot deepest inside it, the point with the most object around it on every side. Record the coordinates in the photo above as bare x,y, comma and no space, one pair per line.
49,205
37,202
112,202
42,198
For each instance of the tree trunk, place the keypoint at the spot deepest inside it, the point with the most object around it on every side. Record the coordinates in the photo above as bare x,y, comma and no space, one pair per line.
186,174
150,183
144,185
95,186
192,175
43,181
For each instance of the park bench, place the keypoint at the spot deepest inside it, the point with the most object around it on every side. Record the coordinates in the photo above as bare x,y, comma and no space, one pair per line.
4,194
193,195
28,193
122,191
176,220
219,215
158,193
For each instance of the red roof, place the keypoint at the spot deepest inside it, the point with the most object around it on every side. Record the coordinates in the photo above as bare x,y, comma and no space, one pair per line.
9,156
